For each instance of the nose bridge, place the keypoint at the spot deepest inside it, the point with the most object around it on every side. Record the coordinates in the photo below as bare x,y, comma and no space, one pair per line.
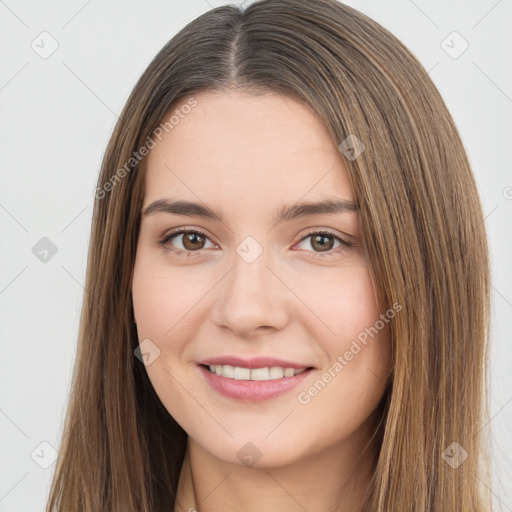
250,268
251,297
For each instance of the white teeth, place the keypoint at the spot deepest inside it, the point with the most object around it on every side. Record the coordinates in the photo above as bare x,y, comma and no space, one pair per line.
260,374
276,372
289,372
241,373
227,371
267,373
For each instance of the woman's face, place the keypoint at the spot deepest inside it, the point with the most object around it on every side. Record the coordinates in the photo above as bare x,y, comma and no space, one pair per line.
262,278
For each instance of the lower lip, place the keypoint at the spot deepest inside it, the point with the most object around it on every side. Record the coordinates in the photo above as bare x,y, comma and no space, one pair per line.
252,390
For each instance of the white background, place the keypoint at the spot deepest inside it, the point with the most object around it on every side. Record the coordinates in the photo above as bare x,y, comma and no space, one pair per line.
56,116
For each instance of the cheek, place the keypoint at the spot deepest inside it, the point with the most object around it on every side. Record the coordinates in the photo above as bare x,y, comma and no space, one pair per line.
362,338
164,302
355,342
164,299
343,305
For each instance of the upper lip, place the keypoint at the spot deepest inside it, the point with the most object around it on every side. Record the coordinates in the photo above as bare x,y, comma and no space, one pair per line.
254,362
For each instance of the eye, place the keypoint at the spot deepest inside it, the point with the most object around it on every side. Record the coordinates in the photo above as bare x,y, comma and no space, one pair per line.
323,241
191,241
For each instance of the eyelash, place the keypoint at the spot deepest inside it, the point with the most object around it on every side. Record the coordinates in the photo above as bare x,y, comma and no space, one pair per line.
179,252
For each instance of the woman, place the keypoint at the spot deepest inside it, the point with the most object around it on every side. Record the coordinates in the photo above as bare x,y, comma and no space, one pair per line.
287,286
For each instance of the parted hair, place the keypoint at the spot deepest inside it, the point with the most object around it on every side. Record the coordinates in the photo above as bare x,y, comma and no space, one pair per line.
422,229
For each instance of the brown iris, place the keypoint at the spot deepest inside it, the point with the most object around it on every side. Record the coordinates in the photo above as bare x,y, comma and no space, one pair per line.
322,245
193,241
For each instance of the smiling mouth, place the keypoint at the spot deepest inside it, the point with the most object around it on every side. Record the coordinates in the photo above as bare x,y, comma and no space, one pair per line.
255,374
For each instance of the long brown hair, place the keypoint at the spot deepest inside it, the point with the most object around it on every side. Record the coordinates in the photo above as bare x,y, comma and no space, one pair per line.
422,227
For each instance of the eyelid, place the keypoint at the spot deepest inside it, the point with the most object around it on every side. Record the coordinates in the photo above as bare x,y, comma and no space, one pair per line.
329,231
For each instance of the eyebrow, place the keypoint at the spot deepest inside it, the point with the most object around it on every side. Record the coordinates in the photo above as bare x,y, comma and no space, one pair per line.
287,213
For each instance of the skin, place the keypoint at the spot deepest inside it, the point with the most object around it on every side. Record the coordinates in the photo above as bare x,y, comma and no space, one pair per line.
247,156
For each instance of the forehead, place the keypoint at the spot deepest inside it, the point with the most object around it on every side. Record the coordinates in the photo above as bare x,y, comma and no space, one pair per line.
244,148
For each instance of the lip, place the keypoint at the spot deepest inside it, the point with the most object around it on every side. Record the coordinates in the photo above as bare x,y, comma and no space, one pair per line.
252,390
254,362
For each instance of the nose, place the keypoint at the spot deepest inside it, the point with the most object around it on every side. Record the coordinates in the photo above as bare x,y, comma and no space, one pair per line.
251,298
